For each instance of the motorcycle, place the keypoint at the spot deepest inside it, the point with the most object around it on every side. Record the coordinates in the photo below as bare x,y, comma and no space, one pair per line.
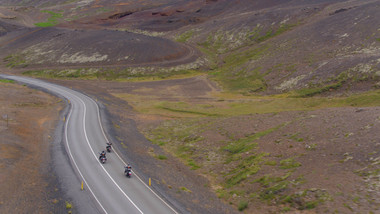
108,147
128,173
103,159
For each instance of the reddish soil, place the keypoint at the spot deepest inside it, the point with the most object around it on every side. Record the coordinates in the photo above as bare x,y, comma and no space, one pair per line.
28,183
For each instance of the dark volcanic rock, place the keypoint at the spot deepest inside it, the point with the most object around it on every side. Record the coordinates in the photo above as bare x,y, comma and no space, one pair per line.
52,46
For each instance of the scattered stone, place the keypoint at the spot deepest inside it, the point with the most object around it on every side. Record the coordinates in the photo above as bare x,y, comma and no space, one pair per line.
359,110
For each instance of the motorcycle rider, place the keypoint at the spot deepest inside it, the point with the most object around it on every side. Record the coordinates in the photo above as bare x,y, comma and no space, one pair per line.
102,154
108,147
128,168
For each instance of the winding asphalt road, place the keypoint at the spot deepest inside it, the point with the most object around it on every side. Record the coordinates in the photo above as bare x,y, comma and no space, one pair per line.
84,138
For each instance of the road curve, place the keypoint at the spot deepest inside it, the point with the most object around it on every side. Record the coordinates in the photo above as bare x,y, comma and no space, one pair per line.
84,138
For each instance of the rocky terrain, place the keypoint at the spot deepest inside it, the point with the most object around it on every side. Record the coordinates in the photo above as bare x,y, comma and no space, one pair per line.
261,106
28,182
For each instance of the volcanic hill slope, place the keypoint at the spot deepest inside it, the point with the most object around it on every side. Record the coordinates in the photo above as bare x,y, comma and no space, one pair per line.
274,103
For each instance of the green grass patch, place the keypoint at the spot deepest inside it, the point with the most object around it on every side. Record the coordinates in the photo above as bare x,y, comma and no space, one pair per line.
185,36
268,180
309,92
242,205
45,24
52,21
272,191
348,207
214,43
378,39
232,73
240,105
234,76
311,204
270,163
245,168
289,163
193,165
162,157
15,60
231,69
247,143
185,189
183,148
187,111
272,33
6,81
296,138
128,74
266,36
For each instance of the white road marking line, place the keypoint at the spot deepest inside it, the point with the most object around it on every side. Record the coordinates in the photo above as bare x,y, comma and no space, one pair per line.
84,128
96,158
72,158
88,143
101,127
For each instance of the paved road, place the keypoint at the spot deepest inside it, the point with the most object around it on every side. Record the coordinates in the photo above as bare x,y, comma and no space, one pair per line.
84,139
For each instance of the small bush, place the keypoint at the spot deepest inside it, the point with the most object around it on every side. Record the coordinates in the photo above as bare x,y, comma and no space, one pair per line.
162,157
193,165
289,163
271,163
242,205
311,204
271,192
185,189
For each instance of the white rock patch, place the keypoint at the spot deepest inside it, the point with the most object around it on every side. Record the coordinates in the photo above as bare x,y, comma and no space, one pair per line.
290,83
82,58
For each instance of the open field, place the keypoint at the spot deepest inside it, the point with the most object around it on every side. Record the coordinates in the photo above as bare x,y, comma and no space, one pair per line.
267,106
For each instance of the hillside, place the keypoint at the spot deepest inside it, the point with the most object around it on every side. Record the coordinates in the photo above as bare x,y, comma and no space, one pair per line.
261,106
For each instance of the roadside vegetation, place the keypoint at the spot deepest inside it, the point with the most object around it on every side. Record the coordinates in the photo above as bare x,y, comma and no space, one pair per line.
128,74
52,20
15,60
228,54
6,81
240,170
226,105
